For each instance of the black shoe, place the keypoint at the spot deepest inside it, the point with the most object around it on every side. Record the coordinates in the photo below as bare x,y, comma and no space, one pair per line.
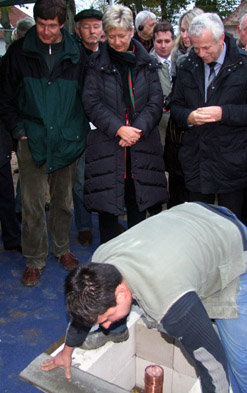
85,238
98,338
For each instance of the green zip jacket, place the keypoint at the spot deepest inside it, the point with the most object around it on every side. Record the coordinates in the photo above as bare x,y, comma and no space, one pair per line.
45,106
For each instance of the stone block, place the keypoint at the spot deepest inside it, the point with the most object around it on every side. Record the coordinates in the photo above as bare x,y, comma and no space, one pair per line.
154,346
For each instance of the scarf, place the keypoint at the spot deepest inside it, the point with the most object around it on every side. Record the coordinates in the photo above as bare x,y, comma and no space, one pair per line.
125,62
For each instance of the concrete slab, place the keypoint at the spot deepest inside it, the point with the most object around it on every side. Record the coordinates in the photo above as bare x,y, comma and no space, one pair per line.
55,382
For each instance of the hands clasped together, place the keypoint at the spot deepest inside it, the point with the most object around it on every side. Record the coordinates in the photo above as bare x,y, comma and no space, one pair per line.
129,135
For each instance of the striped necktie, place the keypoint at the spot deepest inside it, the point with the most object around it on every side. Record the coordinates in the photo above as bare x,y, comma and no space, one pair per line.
212,73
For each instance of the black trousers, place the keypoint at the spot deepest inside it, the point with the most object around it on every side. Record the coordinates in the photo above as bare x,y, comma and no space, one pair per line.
108,223
11,233
177,191
232,200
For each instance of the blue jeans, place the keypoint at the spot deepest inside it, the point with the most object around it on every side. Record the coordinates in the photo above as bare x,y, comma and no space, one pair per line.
233,333
83,218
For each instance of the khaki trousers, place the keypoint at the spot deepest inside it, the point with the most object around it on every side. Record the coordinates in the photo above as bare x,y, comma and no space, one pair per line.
34,182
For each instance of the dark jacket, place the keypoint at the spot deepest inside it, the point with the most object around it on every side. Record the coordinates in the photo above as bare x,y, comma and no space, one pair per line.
105,159
149,43
5,141
213,155
5,145
44,106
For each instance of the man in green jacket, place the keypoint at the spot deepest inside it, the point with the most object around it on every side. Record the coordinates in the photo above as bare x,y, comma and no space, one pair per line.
41,78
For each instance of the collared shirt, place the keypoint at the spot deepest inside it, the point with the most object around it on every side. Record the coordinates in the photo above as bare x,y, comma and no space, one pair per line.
167,61
217,67
164,59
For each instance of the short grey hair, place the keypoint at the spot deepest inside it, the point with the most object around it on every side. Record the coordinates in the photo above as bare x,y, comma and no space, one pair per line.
208,21
23,25
242,21
117,16
142,16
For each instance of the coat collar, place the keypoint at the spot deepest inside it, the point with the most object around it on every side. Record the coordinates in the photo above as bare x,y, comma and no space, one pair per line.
102,59
195,65
194,62
71,50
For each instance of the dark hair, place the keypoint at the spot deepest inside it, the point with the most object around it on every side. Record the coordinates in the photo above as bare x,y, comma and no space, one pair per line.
51,9
90,291
163,26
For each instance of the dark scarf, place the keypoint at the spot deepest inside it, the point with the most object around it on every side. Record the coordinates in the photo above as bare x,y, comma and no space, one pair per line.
125,62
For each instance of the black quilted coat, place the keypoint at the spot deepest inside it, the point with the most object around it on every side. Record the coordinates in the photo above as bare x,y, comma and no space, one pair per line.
105,159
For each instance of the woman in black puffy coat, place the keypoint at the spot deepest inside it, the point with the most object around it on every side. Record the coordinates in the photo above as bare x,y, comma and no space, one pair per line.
123,99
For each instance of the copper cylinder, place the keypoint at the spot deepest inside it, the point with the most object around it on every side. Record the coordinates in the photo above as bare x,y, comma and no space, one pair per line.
154,376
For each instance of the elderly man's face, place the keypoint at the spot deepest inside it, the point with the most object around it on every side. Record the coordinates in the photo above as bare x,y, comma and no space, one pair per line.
147,32
207,47
243,32
90,30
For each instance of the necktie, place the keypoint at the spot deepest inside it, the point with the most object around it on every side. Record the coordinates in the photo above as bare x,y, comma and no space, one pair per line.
168,62
212,73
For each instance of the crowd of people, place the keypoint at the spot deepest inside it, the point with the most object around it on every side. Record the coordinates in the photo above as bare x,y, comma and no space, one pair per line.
101,118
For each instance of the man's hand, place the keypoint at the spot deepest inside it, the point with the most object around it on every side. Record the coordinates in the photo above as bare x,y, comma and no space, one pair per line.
129,135
207,114
63,359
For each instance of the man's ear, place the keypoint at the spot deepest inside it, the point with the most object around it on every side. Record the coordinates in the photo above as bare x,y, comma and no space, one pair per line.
121,292
222,38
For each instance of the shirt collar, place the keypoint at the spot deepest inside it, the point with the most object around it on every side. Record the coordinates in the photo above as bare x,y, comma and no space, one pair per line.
162,59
